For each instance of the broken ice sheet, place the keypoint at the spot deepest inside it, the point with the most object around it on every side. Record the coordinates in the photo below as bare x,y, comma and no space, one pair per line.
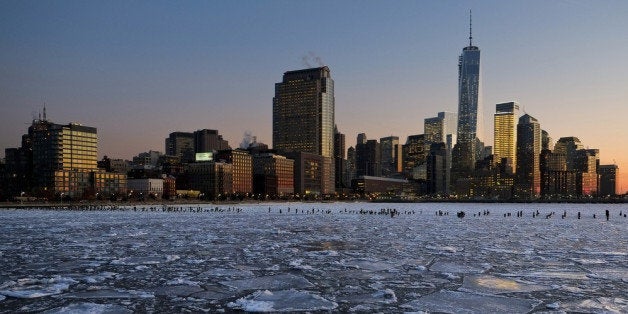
495,285
275,282
282,301
463,302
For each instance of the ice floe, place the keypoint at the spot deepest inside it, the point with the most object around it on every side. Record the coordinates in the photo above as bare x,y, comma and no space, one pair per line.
496,285
36,288
282,301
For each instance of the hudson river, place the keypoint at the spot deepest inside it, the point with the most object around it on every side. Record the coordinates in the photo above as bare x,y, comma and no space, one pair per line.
327,257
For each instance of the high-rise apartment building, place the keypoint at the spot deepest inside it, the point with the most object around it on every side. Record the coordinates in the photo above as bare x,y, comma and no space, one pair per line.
505,132
528,173
340,161
303,117
468,146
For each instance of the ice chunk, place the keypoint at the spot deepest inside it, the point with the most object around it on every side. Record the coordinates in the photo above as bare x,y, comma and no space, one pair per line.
495,285
86,307
462,302
283,301
275,282
28,288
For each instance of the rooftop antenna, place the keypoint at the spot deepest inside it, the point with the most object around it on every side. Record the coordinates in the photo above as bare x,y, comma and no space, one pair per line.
470,29
45,112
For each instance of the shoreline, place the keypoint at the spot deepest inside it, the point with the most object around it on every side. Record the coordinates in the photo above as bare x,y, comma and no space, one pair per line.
95,204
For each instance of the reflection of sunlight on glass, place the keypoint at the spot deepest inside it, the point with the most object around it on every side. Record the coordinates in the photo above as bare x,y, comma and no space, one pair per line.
498,283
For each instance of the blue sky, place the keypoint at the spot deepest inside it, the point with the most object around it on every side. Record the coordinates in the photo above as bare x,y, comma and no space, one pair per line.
138,70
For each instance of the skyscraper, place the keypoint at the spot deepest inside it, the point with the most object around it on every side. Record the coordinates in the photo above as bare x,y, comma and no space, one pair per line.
303,117
391,155
505,132
437,128
528,179
468,147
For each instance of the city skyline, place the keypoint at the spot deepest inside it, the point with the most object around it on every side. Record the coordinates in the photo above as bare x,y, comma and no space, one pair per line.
139,71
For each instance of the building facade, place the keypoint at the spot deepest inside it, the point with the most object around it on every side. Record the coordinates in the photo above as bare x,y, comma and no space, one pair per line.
303,117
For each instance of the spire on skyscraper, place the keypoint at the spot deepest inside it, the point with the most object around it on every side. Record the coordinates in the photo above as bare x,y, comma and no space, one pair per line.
470,29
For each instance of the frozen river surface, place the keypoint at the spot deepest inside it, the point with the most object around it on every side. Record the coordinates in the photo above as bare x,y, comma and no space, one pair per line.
322,258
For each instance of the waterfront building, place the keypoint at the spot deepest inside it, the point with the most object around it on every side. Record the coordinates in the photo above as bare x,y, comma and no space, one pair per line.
273,175
242,175
369,185
528,173
145,188
213,179
505,132
309,173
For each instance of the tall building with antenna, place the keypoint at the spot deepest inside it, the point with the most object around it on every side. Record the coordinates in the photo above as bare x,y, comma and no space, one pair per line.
468,147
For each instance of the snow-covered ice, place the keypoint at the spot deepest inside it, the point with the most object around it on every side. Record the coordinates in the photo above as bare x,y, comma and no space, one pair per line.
316,257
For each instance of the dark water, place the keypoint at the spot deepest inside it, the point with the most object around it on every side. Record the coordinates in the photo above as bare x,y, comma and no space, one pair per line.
322,258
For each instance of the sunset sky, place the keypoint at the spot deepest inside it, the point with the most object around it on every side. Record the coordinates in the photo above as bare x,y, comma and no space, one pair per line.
138,70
